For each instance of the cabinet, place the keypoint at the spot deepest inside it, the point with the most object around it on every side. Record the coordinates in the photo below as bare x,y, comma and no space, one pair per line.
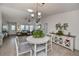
64,40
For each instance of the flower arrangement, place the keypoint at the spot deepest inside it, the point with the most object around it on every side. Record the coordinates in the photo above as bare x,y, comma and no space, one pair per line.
61,28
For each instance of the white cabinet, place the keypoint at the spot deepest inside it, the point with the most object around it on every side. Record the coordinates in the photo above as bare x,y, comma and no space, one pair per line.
64,40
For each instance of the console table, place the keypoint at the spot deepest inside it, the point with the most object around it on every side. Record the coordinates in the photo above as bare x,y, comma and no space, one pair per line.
64,40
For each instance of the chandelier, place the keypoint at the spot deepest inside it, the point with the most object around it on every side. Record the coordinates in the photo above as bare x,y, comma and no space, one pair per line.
35,14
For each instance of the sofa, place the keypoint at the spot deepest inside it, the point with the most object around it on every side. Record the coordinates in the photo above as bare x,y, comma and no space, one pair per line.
1,38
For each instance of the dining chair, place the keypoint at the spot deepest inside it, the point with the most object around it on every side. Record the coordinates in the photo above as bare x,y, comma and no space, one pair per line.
49,43
22,48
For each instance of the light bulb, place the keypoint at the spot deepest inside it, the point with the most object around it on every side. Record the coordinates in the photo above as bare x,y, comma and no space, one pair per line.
39,13
32,15
29,10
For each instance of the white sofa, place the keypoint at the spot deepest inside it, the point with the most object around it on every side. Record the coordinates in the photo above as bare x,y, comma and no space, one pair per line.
1,39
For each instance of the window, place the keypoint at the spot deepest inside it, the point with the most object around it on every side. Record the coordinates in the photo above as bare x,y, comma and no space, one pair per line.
38,27
13,27
5,27
22,27
31,28
26,27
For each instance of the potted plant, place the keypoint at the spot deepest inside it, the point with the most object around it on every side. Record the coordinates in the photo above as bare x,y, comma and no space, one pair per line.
38,33
61,28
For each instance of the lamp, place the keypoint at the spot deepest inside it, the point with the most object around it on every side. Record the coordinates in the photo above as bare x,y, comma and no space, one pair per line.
35,15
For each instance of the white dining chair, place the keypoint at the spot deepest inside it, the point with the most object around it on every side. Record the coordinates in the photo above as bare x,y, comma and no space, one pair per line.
49,43
22,48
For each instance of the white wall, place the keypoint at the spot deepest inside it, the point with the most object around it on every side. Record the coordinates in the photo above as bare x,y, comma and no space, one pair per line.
13,15
72,18
0,22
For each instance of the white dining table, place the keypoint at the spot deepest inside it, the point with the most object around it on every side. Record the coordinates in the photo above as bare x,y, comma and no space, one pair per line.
36,41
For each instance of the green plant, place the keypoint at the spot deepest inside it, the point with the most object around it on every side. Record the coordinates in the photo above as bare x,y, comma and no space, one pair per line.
59,33
38,34
61,28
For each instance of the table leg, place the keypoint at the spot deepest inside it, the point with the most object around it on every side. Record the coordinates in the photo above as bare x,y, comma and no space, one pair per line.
51,42
34,49
51,45
46,48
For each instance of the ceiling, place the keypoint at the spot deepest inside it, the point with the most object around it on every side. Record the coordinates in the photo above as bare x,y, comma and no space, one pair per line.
47,9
